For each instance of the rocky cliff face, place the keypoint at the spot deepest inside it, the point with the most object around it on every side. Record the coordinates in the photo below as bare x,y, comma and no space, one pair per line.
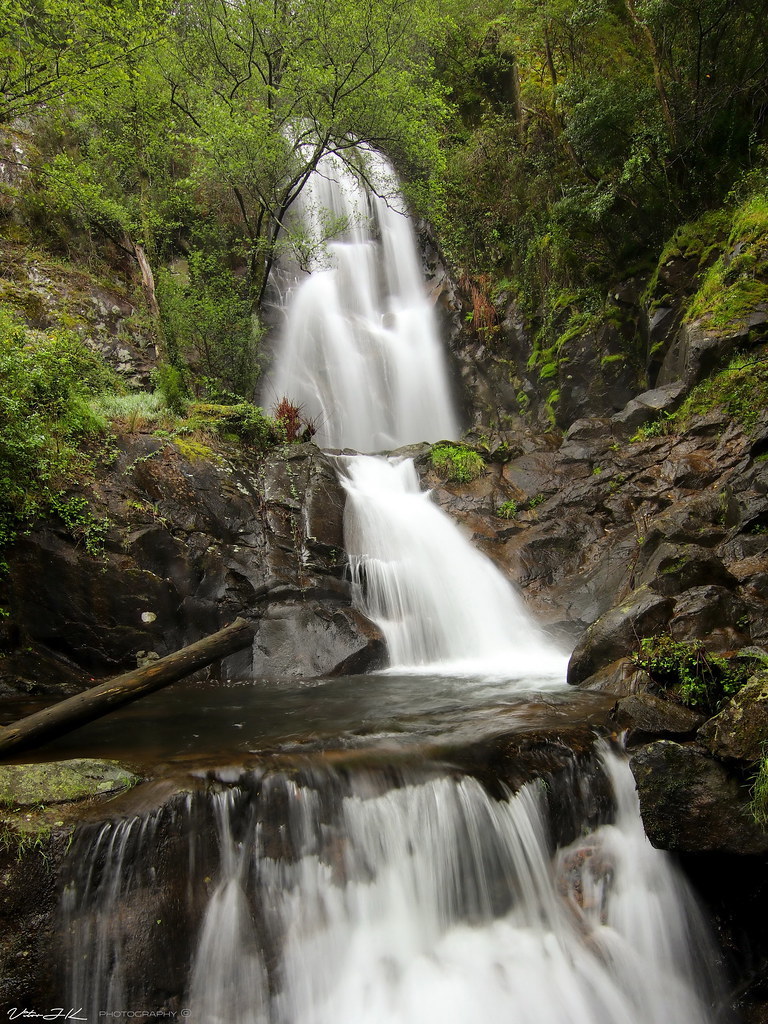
191,543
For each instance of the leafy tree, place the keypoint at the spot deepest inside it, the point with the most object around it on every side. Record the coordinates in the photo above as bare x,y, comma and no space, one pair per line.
57,49
269,88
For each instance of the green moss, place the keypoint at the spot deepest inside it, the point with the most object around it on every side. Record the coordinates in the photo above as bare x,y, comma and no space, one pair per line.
32,785
741,389
457,463
195,451
738,280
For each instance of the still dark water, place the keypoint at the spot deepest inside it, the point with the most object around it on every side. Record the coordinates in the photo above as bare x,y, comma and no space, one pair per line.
208,723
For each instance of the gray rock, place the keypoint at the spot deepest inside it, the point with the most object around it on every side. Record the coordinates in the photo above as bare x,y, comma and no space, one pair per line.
648,405
309,640
646,717
673,568
691,803
616,634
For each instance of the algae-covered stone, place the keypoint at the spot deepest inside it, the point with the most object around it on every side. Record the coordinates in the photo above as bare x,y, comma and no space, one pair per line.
26,785
740,731
691,803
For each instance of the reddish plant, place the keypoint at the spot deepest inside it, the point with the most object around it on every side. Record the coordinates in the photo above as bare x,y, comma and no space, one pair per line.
288,414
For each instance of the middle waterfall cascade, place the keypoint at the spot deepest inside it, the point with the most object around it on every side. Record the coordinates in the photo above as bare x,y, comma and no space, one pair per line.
439,603
360,899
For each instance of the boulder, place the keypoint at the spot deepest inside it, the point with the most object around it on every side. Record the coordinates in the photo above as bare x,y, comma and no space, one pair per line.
712,614
647,406
647,717
29,785
312,639
616,634
621,678
673,568
691,803
740,731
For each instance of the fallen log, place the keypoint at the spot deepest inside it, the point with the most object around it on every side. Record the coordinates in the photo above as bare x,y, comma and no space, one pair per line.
100,700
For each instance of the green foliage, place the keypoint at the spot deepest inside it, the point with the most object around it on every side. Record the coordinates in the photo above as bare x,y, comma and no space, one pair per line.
169,381
759,801
701,680
457,463
208,322
507,510
741,390
46,426
737,281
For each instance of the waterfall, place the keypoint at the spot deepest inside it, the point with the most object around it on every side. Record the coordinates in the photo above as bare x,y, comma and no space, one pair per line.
364,899
359,349
440,603
375,896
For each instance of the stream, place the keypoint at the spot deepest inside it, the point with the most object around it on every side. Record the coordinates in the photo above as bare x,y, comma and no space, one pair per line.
334,855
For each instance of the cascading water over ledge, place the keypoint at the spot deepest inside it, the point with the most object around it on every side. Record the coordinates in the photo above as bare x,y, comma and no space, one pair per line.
440,603
364,898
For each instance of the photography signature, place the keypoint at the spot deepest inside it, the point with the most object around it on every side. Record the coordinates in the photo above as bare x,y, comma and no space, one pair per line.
57,1013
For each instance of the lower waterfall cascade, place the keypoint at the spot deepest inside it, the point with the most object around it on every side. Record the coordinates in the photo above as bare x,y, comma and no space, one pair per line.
354,893
345,899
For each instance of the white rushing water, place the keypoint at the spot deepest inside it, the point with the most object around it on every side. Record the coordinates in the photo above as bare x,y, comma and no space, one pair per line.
353,902
359,349
441,604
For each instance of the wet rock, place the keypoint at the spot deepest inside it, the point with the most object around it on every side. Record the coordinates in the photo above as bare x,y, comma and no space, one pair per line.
673,568
27,785
308,640
712,614
691,803
616,633
696,352
191,545
621,678
740,731
648,406
646,717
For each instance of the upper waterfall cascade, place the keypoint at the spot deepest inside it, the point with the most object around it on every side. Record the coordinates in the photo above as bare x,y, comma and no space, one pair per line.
359,349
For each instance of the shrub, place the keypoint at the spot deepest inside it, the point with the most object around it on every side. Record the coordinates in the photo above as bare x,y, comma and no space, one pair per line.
296,425
208,322
169,381
507,510
46,421
457,462
701,680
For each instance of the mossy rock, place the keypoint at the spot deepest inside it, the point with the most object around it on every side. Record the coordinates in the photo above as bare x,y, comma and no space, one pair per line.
740,731
30,785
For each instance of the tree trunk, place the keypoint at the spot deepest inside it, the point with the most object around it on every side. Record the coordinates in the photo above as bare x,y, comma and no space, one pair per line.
100,700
